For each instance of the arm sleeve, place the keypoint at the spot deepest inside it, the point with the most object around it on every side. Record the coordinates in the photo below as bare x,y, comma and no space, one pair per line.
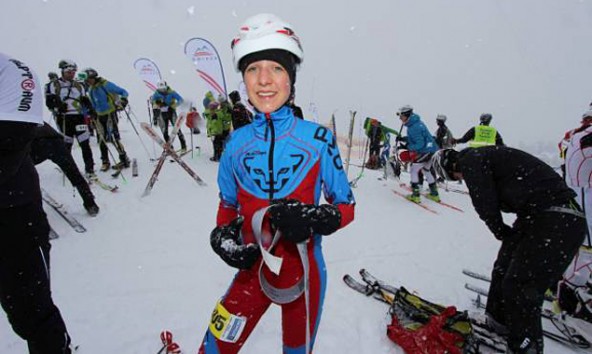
469,135
336,188
111,87
228,206
478,175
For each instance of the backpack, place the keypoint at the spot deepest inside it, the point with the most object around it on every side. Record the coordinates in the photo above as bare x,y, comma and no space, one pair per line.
422,327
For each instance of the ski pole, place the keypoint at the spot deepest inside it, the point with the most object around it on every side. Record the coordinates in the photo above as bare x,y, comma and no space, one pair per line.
137,133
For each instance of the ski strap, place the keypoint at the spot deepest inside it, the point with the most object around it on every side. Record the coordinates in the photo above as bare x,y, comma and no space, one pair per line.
277,295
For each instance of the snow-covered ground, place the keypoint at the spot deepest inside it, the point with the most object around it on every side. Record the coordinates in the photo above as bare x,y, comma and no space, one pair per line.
145,264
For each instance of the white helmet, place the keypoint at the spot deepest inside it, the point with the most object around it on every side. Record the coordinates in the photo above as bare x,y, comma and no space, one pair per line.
161,85
587,114
441,117
262,32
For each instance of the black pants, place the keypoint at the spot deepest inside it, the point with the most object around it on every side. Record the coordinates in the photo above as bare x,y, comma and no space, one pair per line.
108,132
74,126
527,265
55,150
167,117
24,280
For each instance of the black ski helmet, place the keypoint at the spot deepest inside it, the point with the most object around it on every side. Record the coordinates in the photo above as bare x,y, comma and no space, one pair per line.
67,64
52,76
485,118
234,96
91,73
444,162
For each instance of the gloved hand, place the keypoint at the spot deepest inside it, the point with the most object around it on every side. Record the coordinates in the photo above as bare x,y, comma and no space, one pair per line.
297,221
62,107
226,242
505,233
123,101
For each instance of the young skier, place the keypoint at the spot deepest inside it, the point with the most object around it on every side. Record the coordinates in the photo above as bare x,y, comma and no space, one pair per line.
25,291
578,166
421,146
281,163
107,98
444,137
482,135
535,251
166,100
67,99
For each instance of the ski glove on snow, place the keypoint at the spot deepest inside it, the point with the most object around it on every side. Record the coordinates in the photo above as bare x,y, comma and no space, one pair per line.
297,221
227,244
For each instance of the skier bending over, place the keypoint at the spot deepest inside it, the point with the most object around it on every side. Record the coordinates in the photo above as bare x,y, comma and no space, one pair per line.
281,162
536,250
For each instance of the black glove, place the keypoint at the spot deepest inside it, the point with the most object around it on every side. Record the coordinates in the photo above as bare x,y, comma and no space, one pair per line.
86,103
226,242
62,107
297,221
505,233
123,101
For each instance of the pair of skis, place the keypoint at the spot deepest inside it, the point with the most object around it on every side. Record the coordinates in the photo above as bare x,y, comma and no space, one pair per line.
96,181
166,152
424,206
381,291
569,336
63,212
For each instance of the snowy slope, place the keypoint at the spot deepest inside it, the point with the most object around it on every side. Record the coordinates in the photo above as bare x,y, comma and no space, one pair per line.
145,264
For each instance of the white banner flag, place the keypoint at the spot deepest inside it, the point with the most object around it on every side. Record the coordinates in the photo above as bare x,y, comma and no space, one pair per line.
207,64
148,72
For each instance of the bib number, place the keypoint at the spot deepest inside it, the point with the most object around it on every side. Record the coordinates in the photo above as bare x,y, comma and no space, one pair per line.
81,128
226,326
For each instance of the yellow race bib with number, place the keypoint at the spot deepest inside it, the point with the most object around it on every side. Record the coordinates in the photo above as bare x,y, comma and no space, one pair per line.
226,326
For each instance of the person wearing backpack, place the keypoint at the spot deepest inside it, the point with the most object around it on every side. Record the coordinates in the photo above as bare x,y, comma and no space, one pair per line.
535,251
67,98
107,98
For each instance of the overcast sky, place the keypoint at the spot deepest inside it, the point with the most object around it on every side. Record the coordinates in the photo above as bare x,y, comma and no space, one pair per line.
529,62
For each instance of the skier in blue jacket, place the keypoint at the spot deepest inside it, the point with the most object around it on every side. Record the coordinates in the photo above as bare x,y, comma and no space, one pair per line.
422,146
166,100
107,98
271,177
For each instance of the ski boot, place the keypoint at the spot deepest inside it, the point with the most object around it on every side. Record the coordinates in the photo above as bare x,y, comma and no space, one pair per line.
91,207
124,162
414,196
433,195
105,166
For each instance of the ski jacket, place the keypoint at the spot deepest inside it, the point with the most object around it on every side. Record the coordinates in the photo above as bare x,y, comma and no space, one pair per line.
419,138
166,100
578,159
471,134
444,137
69,94
502,179
104,96
280,156
214,123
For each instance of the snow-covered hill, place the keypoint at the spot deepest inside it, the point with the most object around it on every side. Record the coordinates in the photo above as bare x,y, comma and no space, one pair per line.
145,264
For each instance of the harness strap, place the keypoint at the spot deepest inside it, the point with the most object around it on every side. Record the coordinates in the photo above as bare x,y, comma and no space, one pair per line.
285,295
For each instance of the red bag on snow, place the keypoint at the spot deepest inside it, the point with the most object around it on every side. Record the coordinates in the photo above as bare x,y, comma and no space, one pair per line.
428,339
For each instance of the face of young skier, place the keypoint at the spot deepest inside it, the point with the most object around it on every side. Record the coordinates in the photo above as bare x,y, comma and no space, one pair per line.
268,85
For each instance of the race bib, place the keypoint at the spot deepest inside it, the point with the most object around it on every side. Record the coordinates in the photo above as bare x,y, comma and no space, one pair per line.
226,326
81,128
